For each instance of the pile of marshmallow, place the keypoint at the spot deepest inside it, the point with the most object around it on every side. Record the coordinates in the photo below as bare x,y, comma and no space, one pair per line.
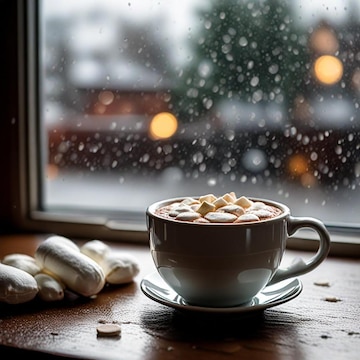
223,209
58,265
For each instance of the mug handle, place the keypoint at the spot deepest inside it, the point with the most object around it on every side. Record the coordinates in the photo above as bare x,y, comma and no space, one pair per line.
299,266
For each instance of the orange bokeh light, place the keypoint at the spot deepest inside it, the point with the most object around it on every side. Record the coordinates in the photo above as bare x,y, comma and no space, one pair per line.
298,165
324,41
163,126
328,69
52,172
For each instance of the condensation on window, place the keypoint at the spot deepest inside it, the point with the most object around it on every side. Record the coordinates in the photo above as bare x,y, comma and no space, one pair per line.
143,101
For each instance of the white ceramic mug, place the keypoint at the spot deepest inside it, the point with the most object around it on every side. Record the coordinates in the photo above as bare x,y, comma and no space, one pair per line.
221,265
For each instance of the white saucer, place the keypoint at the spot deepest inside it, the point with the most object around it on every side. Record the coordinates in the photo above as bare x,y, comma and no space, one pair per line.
154,287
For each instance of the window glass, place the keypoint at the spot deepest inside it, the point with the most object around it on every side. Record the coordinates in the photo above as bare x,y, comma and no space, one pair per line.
145,100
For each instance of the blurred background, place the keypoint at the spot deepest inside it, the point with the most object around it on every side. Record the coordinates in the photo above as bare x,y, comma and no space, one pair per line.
142,101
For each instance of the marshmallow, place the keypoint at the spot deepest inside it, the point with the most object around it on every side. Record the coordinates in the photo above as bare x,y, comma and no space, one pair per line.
233,209
223,209
209,198
246,218
16,285
243,202
220,217
77,271
206,207
188,216
190,201
229,197
119,268
50,289
261,213
23,262
220,202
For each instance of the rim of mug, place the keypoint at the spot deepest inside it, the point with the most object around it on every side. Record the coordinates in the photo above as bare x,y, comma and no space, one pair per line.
150,211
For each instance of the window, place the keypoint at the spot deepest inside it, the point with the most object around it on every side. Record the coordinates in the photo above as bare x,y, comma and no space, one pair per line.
138,101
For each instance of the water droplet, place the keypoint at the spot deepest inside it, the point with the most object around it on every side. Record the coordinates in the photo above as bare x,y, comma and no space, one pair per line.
243,41
273,69
212,182
254,81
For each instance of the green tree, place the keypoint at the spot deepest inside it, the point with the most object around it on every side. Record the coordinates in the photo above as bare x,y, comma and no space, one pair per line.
244,50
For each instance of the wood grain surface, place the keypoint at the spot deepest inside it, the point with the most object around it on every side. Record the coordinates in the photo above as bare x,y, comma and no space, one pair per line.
321,323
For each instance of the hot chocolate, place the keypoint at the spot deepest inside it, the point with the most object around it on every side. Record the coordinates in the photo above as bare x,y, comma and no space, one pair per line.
227,208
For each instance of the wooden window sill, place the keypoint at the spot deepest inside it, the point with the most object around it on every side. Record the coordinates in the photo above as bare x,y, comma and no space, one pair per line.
307,327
